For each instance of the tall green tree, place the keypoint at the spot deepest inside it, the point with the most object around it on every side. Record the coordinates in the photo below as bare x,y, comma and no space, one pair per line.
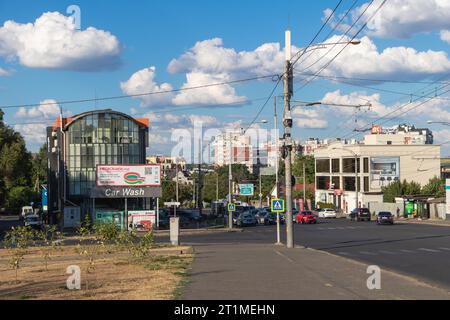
399,189
297,168
15,168
39,165
435,188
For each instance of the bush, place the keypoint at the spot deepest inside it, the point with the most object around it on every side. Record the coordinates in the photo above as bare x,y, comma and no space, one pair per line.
107,232
324,205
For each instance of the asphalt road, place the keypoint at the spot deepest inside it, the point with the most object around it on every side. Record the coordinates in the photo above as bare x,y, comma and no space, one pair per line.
420,251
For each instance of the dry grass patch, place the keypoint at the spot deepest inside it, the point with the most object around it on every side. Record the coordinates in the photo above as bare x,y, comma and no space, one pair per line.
114,274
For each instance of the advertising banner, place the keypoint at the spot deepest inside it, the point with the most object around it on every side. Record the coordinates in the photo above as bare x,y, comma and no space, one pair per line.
128,175
384,171
141,220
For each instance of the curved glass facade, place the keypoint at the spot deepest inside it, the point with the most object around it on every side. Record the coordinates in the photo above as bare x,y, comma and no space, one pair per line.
99,138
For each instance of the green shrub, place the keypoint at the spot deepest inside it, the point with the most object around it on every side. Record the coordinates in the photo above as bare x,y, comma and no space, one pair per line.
107,232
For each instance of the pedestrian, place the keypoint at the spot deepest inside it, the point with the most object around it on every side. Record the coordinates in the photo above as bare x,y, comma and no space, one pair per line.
398,212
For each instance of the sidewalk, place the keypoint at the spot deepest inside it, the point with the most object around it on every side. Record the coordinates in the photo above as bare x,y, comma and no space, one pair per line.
441,223
262,272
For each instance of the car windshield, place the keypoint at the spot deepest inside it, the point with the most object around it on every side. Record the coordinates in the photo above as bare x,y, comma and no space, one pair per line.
385,214
33,219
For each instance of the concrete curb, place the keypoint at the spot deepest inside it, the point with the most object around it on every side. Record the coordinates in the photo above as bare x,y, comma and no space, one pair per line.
197,231
384,269
428,223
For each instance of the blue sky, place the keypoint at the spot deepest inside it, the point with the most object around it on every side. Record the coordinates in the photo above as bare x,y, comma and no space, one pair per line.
48,61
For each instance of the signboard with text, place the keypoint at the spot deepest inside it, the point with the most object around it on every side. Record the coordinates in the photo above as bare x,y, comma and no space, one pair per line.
141,220
246,190
128,175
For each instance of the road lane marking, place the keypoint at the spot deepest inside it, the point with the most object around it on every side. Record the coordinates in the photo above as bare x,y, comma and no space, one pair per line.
407,251
429,250
368,253
386,252
445,249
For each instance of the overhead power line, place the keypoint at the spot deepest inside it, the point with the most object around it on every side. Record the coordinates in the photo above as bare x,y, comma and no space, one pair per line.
137,95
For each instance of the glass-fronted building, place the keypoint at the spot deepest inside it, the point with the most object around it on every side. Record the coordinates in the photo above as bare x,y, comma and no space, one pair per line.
78,144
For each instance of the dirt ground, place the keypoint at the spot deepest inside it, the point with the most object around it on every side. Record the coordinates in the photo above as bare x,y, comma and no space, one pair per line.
114,274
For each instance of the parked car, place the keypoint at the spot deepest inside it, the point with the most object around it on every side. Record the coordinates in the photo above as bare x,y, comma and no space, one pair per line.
246,219
385,218
33,221
327,213
360,214
260,215
306,217
270,219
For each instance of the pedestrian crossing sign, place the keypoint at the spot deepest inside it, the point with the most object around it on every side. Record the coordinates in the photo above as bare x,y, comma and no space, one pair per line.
278,205
231,207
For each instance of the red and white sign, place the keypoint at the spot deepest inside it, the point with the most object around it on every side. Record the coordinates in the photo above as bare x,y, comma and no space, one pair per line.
141,220
377,129
129,175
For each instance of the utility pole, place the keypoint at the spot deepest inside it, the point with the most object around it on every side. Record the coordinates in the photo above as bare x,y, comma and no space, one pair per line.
287,122
277,164
260,190
304,182
176,186
200,178
356,181
230,181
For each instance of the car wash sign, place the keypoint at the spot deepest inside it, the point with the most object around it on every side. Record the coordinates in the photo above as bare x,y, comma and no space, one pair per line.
128,175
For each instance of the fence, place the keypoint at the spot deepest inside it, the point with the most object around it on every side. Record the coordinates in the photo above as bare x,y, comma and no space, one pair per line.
377,207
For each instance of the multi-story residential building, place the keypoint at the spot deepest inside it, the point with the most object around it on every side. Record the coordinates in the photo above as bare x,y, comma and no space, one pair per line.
168,164
235,147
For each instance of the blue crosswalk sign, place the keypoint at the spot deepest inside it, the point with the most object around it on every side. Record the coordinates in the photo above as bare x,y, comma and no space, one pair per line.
278,205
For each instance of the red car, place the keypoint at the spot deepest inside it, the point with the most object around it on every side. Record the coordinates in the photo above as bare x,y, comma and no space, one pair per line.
305,217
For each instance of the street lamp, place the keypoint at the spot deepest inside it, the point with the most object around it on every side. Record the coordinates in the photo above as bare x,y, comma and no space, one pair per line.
439,122
356,173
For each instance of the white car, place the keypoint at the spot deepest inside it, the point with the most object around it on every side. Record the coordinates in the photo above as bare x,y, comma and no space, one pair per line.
327,213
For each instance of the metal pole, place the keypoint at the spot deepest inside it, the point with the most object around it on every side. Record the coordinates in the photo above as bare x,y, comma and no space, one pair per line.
176,191
356,181
287,121
277,147
260,190
157,213
304,181
126,213
230,180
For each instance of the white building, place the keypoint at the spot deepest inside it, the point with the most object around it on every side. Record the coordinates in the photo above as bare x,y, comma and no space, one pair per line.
238,144
382,159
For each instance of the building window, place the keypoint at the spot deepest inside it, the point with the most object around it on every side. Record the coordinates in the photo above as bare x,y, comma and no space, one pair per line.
366,184
323,183
336,181
348,165
323,165
335,166
349,183
366,165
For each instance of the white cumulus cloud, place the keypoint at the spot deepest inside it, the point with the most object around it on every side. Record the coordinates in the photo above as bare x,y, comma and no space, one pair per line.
445,36
143,82
403,18
53,42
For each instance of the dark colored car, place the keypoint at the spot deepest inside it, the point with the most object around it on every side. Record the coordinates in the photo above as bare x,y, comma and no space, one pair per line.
385,218
260,215
270,219
360,214
306,217
246,219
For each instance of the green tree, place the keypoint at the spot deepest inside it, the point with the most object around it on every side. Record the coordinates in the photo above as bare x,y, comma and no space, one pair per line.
399,189
435,187
15,167
39,167
297,168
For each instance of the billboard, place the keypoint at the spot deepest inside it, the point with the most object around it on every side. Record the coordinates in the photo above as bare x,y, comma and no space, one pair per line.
142,220
384,171
129,175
